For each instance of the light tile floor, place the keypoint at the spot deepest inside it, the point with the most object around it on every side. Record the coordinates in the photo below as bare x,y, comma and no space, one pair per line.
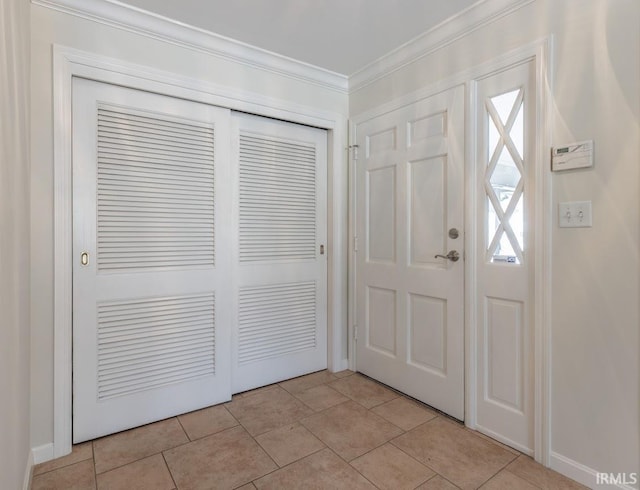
321,431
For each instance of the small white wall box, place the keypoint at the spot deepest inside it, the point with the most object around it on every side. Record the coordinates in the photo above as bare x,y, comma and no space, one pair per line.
574,155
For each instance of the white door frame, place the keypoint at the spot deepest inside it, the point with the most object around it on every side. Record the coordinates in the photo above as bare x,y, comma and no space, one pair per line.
540,52
69,63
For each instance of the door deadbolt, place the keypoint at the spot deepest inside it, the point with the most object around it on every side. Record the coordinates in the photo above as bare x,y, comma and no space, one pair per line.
454,233
453,256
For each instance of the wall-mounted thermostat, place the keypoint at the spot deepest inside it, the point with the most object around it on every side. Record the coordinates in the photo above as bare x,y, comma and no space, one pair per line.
575,155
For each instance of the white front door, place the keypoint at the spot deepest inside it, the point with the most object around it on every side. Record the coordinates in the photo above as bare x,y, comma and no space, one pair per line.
410,208
505,186
281,258
151,306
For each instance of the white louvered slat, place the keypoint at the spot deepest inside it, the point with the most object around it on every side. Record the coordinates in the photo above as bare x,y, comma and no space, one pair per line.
277,199
144,344
275,320
155,191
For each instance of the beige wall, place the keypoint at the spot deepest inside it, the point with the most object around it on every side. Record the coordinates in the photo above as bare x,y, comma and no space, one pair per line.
14,243
51,27
595,272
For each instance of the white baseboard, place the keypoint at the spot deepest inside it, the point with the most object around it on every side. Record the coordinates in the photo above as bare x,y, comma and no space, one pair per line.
574,470
580,473
340,365
42,453
28,471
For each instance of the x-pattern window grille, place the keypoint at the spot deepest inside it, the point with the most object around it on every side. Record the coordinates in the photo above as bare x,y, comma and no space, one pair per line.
504,182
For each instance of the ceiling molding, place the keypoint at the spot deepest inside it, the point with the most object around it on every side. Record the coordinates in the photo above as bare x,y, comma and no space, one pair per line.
447,32
138,21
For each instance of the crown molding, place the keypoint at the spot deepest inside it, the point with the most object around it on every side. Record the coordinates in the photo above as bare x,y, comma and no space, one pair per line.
121,16
132,19
476,16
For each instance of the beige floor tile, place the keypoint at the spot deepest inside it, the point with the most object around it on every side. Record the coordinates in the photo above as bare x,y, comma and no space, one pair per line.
343,374
228,459
269,410
404,413
545,478
78,476
458,455
389,468
132,445
321,397
147,474
506,480
493,441
350,430
290,443
366,392
248,486
296,385
437,483
79,452
207,421
322,470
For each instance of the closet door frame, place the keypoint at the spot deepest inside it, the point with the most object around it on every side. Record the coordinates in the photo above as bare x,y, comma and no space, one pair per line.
69,63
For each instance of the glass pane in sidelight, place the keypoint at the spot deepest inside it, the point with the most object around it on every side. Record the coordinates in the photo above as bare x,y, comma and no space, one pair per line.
504,103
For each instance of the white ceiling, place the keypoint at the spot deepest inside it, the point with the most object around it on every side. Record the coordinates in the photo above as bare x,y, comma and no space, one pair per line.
339,35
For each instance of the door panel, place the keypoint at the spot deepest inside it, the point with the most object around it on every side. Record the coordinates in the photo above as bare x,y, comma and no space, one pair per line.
149,299
410,304
282,274
506,169
428,339
381,320
381,217
427,210
504,352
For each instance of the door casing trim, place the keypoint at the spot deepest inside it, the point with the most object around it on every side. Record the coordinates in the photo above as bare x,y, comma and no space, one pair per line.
540,51
69,63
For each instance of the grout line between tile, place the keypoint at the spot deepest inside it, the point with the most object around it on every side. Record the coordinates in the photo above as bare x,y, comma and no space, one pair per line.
265,452
415,459
428,479
354,468
184,430
524,477
502,468
144,457
61,467
175,485
229,412
95,471
446,479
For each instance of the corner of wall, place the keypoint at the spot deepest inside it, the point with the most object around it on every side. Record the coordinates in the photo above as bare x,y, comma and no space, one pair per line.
28,472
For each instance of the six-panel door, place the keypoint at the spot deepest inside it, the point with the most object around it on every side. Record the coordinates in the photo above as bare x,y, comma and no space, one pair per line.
410,198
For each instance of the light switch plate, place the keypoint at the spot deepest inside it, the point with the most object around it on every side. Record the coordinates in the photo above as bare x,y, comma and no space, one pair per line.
575,214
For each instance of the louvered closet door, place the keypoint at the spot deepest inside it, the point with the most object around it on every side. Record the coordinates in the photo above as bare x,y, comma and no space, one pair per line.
280,177
151,306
